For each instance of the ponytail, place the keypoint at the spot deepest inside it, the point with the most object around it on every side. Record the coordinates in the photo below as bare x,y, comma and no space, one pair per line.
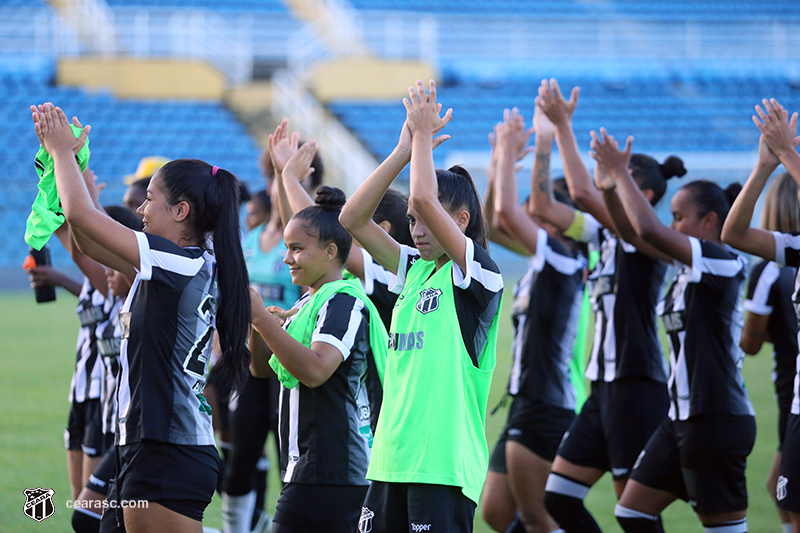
213,195
457,191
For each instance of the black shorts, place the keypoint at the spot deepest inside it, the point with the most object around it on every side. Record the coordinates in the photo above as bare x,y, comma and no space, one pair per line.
404,507
789,479
103,473
180,478
538,426
783,421
614,424
85,429
333,508
701,460
497,461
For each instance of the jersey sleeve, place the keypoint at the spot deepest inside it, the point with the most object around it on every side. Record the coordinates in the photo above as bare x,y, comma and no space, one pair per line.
760,293
408,256
712,264
584,228
477,297
338,322
787,249
375,275
165,262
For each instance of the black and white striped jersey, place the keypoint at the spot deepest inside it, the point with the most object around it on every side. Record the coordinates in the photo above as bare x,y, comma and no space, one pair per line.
703,319
325,435
625,287
377,281
545,312
787,253
108,344
769,293
88,372
167,323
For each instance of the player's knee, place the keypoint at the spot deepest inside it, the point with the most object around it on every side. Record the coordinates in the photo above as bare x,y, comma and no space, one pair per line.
563,500
637,522
85,521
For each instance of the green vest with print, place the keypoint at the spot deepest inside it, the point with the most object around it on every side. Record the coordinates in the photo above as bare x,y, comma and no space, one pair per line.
432,421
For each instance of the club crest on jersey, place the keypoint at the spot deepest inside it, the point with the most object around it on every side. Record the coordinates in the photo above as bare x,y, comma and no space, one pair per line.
39,503
428,301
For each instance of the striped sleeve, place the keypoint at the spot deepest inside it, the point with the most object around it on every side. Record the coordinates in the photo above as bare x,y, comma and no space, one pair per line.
163,261
712,264
477,298
375,274
759,289
787,249
338,322
408,256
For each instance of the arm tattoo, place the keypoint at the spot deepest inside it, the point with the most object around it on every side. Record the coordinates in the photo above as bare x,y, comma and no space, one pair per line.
543,174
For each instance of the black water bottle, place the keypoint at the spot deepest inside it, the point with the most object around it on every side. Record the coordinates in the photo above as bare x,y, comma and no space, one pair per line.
44,293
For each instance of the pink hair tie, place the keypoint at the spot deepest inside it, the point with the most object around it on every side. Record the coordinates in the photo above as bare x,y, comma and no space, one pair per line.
214,171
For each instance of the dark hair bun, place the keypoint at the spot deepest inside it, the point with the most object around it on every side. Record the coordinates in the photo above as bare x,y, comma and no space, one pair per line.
673,166
330,198
732,191
461,171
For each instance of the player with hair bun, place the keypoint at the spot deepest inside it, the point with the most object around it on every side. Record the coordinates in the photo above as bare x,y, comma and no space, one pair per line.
700,452
430,456
628,397
320,355
165,441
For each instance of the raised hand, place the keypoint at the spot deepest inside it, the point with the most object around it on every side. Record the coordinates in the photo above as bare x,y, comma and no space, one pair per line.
765,156
779,132
558,110
610,159
53,129
281,146
298,166
542,125
422,111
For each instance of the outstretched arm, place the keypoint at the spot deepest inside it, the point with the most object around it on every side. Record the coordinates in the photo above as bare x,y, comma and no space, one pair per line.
639,212
542,203
53,128
356,215
737,231
281,148
510,214
424,121
579,181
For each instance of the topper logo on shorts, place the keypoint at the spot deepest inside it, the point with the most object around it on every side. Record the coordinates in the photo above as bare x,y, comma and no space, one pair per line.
39,503
365,522
428,301
780,489
420,527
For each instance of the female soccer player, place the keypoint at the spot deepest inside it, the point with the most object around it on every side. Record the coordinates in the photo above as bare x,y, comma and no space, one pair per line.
165,441
628,397
698,454
321,359
778,143
546,308
429,458
770,311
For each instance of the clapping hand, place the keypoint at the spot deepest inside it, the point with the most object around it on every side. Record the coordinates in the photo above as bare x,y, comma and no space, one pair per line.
281,146
779,132
610,159
422,111
558,110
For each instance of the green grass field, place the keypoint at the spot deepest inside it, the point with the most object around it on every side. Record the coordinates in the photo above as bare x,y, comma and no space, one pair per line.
36,361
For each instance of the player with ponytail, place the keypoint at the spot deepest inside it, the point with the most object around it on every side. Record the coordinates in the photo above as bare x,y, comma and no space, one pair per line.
182,292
